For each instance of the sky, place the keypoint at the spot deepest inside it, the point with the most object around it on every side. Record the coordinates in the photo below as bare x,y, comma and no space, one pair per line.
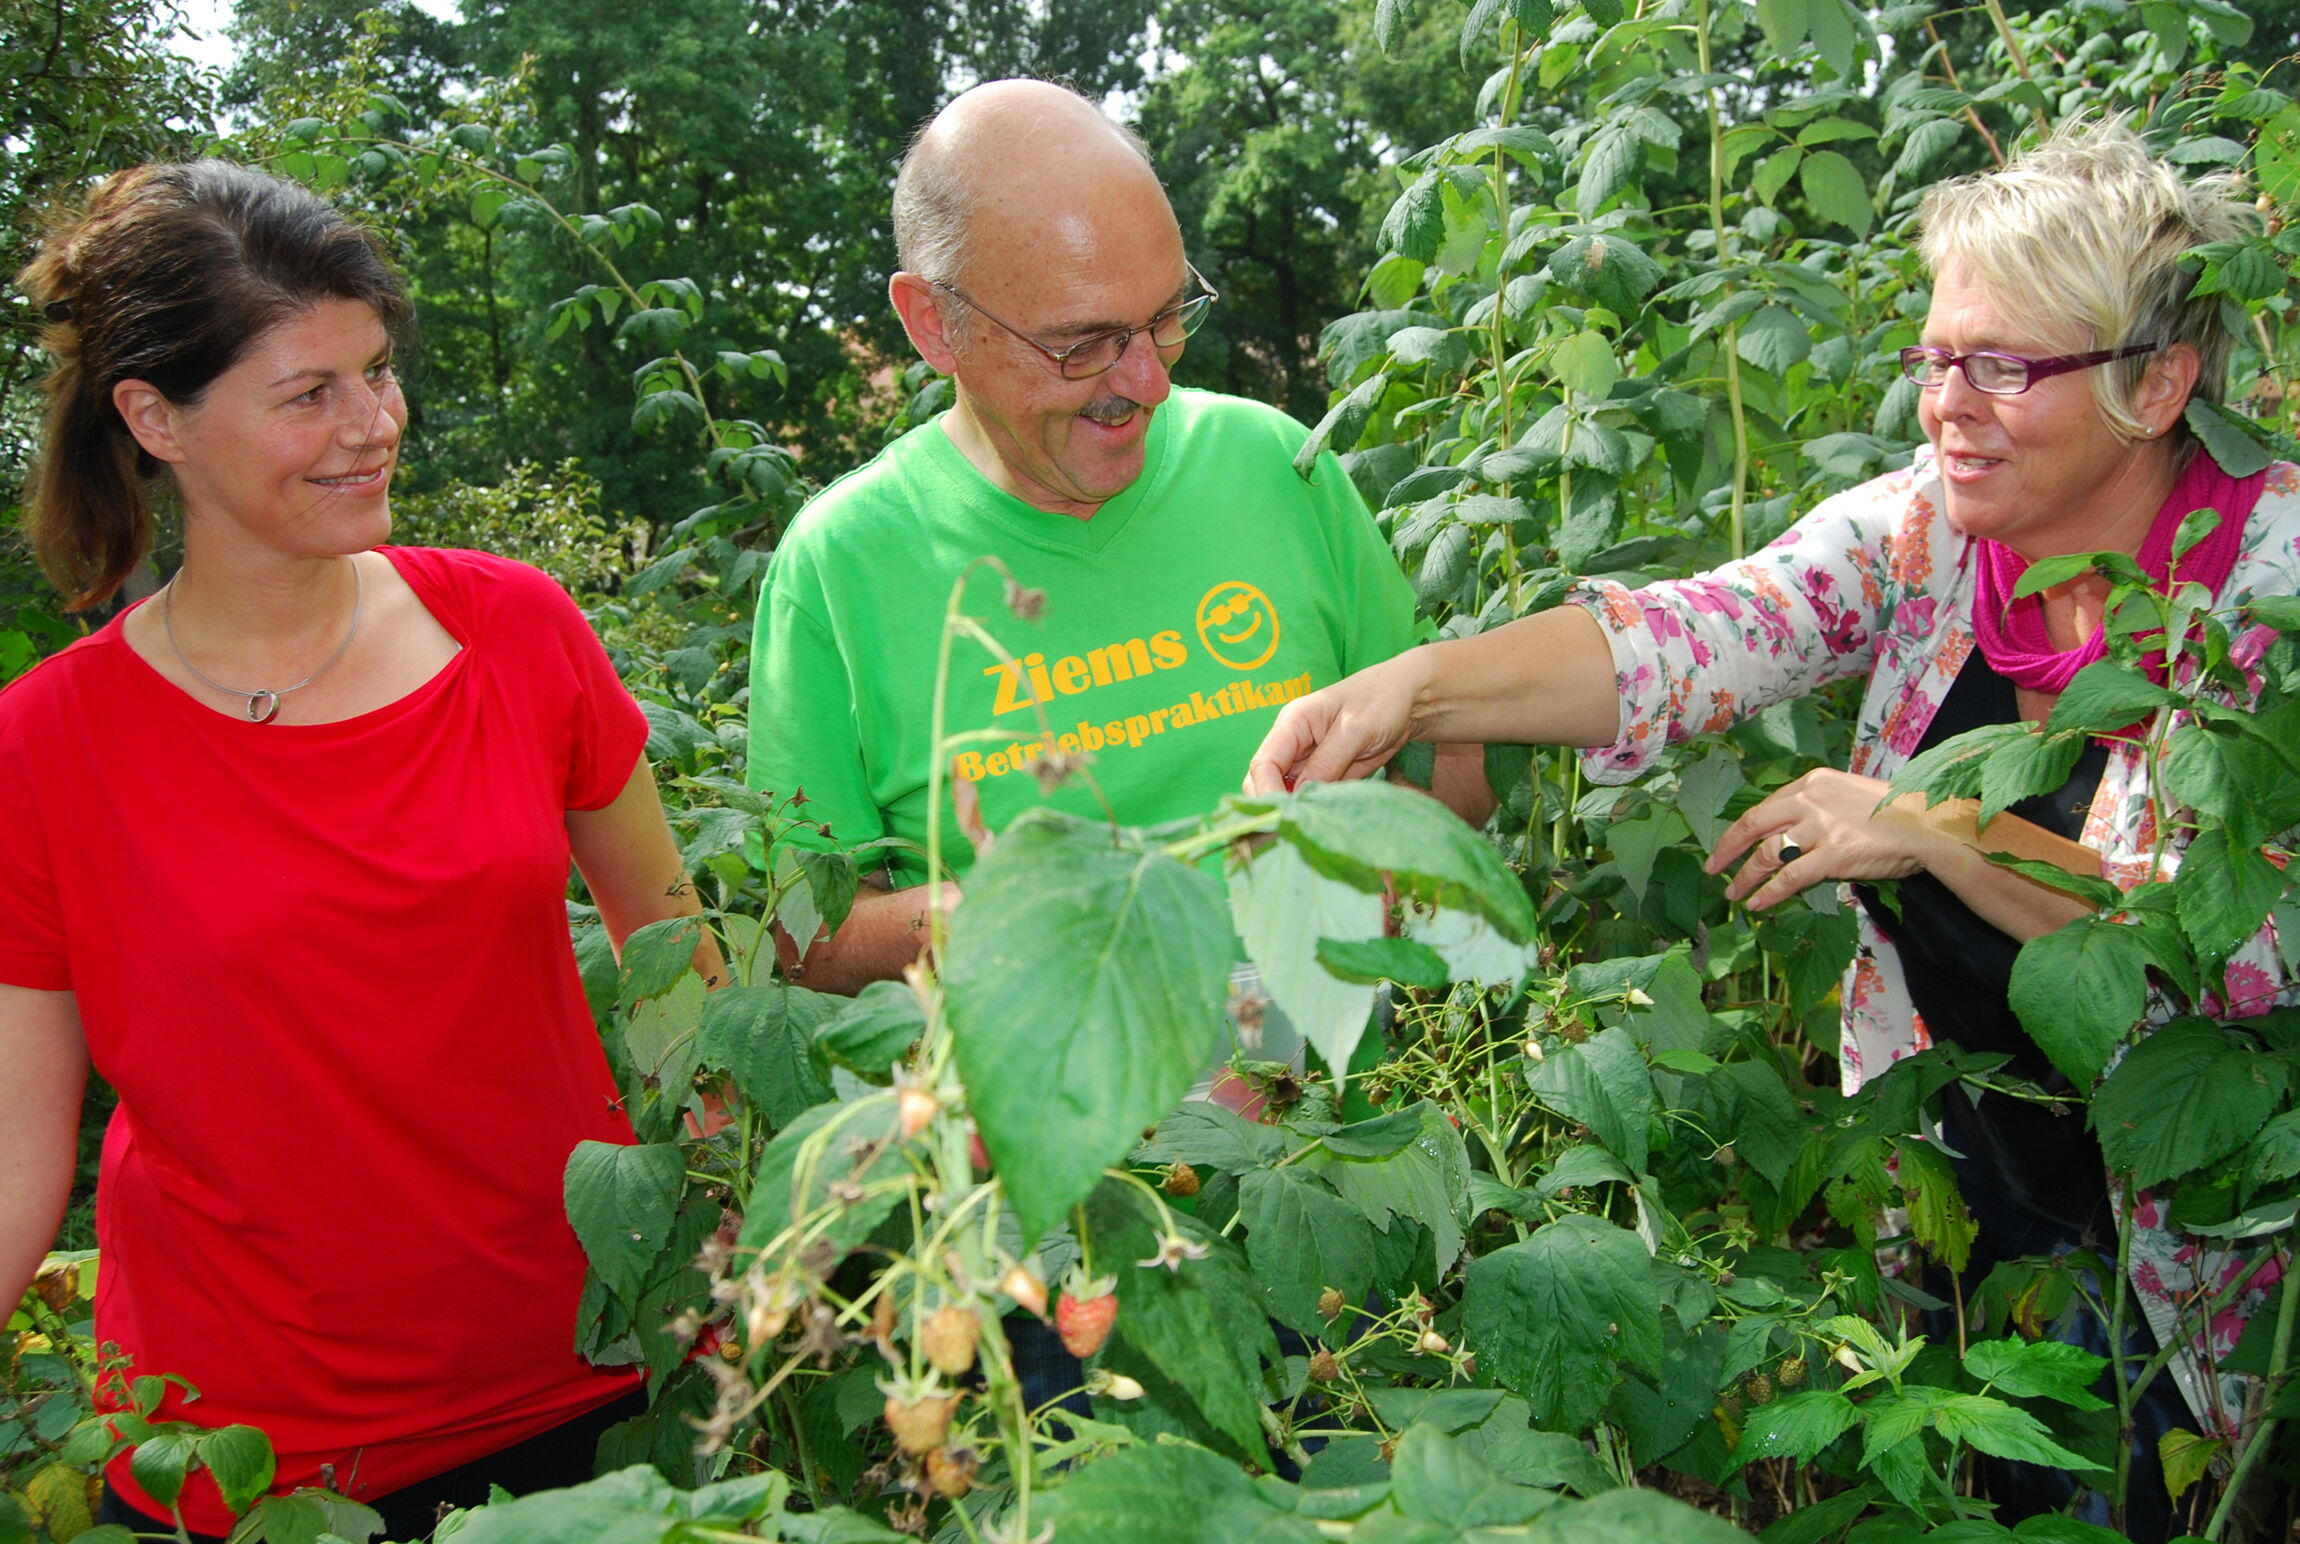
207,18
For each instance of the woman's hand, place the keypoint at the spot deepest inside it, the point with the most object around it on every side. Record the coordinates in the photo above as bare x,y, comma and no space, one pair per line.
1345,731
1836,830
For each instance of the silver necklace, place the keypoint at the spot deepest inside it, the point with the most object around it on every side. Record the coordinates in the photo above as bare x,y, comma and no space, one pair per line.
264,702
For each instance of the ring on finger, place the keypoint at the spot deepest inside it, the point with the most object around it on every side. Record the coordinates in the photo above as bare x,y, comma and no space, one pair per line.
1789,852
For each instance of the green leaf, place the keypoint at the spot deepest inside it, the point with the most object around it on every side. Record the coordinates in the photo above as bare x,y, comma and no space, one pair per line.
1616,153
1833,186
1205,1135
1344,422
1993,1426
1584,363
765,1036
1425,1182
2039,1369
242,1461
2223,891
487,203
1284,910
2185,1097
1085,986
1415,225
1773,339
1609,269
1379,1137
1765,1129
1797,1426
1202,1328
875,1031
1784,23
1660,1417
1379,959
1631,1516
2107,696
1363,832
2023,766
2079,991
1558,1317
1605,1084
1773,173
657,956
1832,33
1437,1479
2187,1457
1937,1216
2274,1153
1583,1165
2227,437
162,1461
823,1158
621,1201
1131,1496
1301,1238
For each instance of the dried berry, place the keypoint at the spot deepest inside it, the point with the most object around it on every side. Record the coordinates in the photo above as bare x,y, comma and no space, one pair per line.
1791,1372
1759,1388
948,1338
919,1425
1323,1367
950,1471
1331,1303
1181,1182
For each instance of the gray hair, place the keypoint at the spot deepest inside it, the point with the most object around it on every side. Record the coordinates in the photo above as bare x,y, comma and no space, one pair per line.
935,197
2080,238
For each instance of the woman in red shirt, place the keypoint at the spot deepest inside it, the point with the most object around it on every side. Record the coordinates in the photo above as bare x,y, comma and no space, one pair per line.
284,851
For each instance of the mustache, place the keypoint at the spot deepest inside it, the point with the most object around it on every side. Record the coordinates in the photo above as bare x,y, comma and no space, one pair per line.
1110,410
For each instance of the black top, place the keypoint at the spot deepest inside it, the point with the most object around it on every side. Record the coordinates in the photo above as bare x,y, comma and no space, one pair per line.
2025,1171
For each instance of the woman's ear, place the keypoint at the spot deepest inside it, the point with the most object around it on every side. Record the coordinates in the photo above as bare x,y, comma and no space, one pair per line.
151,418
2166,386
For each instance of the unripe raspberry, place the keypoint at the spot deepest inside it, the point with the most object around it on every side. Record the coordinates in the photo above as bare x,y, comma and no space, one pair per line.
1759,1388
1323,1367
1182,1182
1791,1372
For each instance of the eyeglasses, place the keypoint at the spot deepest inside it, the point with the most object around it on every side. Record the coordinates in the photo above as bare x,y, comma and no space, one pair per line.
2004,375
1098,352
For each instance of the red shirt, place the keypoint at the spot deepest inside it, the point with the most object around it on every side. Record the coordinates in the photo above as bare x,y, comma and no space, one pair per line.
327,969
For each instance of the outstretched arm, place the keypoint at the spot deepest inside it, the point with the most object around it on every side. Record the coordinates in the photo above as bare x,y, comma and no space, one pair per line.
1541,680
43,1068
631,865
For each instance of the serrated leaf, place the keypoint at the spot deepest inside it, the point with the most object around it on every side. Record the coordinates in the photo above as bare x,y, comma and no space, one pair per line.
1615,155
1344,422
1558,1317
1415,225
2023,766
2185,1097
1301,1239
1436,1479
1085,987
872,1033
1362,832
621,1202
1383,959
1130,1496
2223,892
2079,991
1937,1216
1425,1182
1284,910
1205,1135
242,1461
1798,1426
656,957
1773,173
1784,23
2039,1369
1993,1426
2106,696
2187,1457
765,1036
162,1461
1773,339
1834,187
2227,438
1604,1084
1584,363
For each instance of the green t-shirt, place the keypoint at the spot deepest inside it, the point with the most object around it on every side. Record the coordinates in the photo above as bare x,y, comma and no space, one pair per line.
1218,586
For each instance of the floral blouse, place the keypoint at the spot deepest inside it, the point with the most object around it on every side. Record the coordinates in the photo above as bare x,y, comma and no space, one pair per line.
1875,583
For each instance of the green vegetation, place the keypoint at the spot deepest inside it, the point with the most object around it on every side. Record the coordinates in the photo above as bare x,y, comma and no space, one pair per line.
1589,1234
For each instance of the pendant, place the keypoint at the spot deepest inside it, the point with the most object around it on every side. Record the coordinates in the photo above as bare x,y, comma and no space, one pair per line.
263,707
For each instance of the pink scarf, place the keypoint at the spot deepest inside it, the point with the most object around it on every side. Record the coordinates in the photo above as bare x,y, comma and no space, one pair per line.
2012,634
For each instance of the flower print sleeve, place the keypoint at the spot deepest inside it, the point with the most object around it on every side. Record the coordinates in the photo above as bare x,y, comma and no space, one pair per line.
1692,656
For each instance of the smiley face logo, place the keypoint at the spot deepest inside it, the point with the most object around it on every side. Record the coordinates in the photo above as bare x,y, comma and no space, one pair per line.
1238,625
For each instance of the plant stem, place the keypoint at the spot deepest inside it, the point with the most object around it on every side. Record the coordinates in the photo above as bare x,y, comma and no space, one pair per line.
1732,330
2019,59
2279,1365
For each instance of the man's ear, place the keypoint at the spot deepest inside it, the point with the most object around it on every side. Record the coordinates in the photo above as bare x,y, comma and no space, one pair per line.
150,417
2166,386
919,304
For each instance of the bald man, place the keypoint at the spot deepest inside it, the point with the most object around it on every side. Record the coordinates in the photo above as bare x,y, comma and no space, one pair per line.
1192,581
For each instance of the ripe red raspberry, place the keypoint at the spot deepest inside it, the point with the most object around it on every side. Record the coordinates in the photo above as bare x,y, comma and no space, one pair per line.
1084,1321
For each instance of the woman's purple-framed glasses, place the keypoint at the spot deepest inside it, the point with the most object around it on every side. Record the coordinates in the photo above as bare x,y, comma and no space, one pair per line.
2004,375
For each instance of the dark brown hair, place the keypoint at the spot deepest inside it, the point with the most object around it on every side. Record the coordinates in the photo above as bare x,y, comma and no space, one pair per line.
167,275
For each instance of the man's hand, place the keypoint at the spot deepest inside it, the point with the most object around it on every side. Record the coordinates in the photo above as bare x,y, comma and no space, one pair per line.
886,930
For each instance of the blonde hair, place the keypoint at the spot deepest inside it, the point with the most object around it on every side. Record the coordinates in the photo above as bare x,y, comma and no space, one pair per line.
2080,238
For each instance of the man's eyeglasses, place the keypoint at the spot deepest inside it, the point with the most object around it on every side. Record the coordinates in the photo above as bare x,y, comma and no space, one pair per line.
1098,352
2004,375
